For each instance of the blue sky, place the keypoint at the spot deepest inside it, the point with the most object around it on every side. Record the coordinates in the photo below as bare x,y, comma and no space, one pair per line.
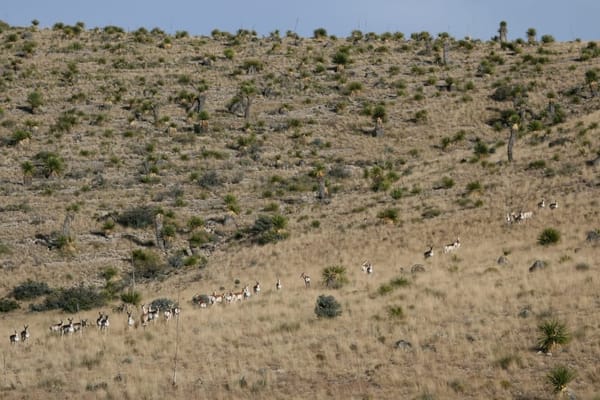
565,20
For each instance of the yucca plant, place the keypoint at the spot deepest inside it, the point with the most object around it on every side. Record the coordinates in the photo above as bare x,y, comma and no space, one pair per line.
552,333
559,377
334,276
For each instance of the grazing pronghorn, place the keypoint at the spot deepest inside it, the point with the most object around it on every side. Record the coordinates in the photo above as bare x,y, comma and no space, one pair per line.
278,284
306,279
257,288
104,323
25,333
130,320
367,267
452,246
429,252
14,338
56,327
553,205
542,203
68,328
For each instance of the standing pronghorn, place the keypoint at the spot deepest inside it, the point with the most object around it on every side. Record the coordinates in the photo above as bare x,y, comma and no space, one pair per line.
367,267
452,246
553,205
145,317
14,338
278,284
56,327
68,328
429,252
104,323
542,203
130,320
306,279
257,288
25,333
99,319
78,326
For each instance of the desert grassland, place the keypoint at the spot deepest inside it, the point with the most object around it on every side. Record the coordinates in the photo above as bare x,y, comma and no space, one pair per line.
462,315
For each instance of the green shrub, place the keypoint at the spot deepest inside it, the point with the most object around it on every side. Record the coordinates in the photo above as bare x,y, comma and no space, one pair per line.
327,307
35,100
549,236
49,163
138,217
72,300
269,229
8,305
30,289
552,333
147,264
334,277
131,297
320,33
389,214
395,312
164,304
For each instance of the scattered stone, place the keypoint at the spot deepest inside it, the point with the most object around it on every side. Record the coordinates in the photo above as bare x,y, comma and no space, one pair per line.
417,268
503,260
403,344
525,312
537,265
593,236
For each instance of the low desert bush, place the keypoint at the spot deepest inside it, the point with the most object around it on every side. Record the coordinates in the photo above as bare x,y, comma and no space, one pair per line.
549,236
30,289
327,307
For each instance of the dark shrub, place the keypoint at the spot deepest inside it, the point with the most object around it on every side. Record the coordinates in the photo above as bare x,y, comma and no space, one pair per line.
131,297
147,264
30,290
164,304
139,217
7,305
327,307
72,300
549,236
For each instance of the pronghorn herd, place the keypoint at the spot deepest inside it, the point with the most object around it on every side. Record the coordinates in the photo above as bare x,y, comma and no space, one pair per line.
522,216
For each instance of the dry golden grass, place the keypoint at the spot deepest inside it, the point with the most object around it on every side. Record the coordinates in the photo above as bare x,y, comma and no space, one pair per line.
461,315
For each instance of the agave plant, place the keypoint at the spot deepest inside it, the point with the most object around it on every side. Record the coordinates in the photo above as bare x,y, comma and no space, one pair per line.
552,333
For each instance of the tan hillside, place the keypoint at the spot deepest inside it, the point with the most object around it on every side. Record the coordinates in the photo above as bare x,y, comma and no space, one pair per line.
276,171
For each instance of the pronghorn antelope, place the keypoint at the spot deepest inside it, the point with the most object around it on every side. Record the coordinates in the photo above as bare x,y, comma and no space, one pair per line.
367,267
429,252
68,328
246,292
56,327
14,338
306,279
78,326
452,246
175,310
542,203
25,333
168,314
256,288
145,317
229,297
99,319
218,298
153,314
104,323
278,284
130,320
553,205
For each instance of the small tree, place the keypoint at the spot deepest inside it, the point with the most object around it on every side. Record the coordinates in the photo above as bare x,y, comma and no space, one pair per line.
503,32
531,33
320,33
327,307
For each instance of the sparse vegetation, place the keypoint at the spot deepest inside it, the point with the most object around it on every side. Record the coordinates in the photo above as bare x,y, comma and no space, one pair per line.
552,333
